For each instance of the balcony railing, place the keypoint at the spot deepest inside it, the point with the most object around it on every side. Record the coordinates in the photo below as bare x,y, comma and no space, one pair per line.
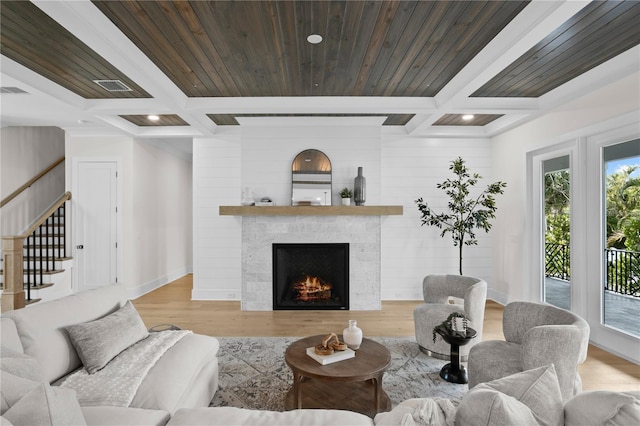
623,271
556,261
622,268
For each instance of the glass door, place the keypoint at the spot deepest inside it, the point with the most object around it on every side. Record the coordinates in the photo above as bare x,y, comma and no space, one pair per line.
557,231
621,228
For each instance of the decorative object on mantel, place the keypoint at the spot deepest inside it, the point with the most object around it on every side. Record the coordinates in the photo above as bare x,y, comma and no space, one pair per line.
311,179
247,197
352,335
465,210
346,195
360,188
265,201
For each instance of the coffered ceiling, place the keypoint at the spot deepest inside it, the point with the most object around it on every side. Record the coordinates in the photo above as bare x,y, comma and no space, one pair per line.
202,66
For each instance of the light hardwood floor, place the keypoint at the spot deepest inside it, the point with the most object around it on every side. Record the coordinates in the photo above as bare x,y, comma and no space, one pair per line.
172,304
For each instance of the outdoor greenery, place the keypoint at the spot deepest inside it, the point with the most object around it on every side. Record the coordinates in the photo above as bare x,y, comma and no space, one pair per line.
466,212
623,231
622,225
623,209
556,207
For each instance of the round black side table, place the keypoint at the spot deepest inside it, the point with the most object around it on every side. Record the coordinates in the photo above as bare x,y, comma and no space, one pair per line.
453,372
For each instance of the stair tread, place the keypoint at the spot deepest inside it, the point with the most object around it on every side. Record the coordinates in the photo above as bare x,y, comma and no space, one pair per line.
38,286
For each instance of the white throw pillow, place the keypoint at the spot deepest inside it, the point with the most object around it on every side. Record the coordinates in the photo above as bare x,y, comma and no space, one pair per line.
98,342
419,411
532,397
603,408
20,364
46,405
13,389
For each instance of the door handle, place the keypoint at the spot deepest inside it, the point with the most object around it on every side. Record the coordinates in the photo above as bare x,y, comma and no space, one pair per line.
80,247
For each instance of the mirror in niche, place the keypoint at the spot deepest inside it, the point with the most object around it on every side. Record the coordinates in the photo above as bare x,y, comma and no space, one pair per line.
311,179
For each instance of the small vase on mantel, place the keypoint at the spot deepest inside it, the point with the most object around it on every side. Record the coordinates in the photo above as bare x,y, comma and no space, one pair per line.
247,197
360,188
352,335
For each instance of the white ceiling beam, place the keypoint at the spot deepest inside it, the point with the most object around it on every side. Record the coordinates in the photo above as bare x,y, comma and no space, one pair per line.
310,105
534,23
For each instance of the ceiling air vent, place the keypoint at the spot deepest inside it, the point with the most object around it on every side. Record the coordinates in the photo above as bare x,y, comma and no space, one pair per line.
113,85
14,90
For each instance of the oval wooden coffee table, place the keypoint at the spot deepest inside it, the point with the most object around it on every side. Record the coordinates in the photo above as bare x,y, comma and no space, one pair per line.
353,384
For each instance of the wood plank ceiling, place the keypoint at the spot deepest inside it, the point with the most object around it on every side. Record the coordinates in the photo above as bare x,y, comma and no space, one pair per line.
600,31
31,38
370,48
260,48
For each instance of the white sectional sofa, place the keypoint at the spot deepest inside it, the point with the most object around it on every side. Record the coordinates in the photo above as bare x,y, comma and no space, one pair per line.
185,376
42,347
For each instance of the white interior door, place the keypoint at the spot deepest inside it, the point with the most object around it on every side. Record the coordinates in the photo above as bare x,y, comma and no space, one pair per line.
96,227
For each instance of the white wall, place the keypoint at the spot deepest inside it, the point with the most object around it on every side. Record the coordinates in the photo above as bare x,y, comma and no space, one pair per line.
162,217
26,151
155,245
217,240
399,169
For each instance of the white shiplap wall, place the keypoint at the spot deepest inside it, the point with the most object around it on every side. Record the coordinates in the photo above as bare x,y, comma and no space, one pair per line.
398,169
411,168
216,239
268,151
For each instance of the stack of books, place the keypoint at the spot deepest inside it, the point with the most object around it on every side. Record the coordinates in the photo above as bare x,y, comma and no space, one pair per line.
334,357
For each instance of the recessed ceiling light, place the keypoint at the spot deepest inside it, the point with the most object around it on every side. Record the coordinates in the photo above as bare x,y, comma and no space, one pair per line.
314,38
467,117
153,117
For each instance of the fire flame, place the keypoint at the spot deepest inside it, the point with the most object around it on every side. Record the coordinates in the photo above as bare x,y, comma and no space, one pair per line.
312,288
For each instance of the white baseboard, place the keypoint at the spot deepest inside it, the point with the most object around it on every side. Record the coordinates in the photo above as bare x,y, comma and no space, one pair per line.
215,294
497,297
135,292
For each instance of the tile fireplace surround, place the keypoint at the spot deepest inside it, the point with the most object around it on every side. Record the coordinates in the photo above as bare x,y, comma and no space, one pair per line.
260,232
264,226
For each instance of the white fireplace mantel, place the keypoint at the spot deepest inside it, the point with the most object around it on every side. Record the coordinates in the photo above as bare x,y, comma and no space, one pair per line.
310,210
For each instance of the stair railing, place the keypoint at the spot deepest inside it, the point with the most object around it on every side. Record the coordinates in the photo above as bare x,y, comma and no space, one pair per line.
32,248
31,181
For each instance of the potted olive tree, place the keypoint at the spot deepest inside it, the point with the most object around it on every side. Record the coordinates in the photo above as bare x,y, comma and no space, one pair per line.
466,212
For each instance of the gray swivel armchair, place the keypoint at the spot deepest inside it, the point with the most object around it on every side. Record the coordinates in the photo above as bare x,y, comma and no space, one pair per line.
469,295
536,335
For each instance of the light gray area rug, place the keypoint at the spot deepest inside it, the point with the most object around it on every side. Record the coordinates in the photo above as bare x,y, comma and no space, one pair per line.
253,373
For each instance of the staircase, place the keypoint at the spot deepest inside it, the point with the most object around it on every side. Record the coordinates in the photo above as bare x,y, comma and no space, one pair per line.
40,256
45,263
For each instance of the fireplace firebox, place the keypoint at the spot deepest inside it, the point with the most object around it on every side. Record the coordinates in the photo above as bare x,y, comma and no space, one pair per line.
311,276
